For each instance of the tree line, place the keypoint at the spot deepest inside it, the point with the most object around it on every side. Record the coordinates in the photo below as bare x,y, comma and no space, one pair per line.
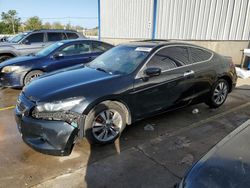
10,23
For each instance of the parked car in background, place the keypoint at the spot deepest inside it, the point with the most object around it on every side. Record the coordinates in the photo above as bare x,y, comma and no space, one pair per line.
19,71
227,164
33,41
4,38
125,84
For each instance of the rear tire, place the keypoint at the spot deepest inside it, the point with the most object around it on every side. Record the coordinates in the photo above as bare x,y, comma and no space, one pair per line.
105,123
4,58
218,94
31,75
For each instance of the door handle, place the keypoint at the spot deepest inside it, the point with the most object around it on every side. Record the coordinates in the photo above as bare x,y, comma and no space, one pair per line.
188,73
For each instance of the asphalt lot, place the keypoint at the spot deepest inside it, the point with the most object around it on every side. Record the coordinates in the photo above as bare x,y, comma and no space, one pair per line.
156,158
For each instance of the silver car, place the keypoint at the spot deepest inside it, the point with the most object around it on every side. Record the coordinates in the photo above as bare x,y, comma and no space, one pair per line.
32,41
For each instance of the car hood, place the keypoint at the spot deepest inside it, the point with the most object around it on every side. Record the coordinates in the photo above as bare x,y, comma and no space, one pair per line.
227,163
65,83
7,44
19,60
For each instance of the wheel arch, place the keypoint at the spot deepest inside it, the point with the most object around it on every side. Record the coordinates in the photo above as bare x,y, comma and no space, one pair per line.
24,76
116,101
229,81
8,54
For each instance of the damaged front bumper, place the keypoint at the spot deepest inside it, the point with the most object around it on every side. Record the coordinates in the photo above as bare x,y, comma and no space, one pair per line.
11,80
51,135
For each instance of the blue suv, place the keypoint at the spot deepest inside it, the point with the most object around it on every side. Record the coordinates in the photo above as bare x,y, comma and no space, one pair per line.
19,71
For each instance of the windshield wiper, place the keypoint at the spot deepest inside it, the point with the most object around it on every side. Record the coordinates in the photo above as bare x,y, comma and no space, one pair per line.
101,69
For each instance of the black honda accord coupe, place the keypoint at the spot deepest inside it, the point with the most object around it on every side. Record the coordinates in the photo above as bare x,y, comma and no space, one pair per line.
125,84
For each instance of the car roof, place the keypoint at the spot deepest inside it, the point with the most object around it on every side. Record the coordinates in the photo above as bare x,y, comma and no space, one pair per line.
54,30
80,40
49,30
158,43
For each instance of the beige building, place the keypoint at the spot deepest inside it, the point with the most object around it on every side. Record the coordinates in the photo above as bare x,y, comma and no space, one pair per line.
220,25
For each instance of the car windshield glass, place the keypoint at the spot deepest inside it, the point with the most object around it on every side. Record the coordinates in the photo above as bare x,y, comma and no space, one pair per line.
17,38
46,51
8,39
120,60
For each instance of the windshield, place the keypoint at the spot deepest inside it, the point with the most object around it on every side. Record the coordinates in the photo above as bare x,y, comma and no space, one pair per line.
17,38
46,51
8,39
120,60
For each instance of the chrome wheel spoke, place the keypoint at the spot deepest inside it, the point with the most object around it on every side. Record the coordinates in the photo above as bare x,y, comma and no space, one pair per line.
217,99
216,92
103,116
221,85
100,136
225,89
107,114
106,134
113,132
223,97
220,98
98,128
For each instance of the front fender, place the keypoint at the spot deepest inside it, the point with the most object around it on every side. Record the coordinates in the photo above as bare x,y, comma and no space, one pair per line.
89,104
8,51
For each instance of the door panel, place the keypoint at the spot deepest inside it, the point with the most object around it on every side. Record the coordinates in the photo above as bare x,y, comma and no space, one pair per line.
68,61
35,42
168,91
172,89
25,49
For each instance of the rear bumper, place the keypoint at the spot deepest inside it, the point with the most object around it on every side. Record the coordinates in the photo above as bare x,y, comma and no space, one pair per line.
46,136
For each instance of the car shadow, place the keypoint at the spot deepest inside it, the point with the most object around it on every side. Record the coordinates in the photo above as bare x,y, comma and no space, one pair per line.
123,163
107,166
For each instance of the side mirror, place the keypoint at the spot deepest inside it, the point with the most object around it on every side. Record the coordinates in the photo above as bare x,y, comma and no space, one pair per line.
58,55
152,71
26,41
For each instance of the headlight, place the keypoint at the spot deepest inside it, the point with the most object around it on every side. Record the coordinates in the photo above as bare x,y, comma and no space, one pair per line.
9,69
62,105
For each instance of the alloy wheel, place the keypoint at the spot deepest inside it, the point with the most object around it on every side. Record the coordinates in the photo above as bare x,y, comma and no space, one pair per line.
220,93
107,125
33,76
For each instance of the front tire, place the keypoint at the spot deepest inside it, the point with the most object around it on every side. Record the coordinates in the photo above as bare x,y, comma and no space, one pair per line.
105,123
218,94
31,75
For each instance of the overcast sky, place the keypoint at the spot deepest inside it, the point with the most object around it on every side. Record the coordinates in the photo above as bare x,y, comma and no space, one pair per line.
85,9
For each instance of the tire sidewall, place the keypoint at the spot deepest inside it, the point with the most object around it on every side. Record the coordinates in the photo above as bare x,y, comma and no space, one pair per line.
91,117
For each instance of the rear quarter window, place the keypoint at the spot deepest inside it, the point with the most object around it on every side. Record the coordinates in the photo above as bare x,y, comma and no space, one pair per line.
198,55
100,47
178,53
52,37
72,35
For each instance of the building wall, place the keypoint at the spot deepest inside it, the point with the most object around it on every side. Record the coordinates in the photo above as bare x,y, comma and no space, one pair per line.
176,19
220,25
203,19
126,18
